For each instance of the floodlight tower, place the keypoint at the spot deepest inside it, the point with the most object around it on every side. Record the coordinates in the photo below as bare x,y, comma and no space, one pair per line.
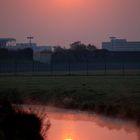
30,40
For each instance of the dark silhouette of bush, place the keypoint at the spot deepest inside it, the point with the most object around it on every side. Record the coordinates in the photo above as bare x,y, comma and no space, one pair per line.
112,111
19,125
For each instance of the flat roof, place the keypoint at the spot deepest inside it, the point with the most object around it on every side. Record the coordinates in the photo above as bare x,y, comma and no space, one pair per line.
7,39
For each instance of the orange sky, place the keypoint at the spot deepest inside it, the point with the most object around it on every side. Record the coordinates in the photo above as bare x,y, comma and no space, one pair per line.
64,21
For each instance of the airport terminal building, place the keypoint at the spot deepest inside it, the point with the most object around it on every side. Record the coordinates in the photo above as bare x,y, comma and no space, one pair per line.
116,44
41,54
7,42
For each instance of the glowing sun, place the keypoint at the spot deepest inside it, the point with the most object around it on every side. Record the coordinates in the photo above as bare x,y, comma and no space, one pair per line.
68,139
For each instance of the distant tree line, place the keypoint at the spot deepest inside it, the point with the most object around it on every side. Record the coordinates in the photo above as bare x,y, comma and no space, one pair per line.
81,53
78,46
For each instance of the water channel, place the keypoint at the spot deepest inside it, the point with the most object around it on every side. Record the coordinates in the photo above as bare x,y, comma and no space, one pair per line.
77,125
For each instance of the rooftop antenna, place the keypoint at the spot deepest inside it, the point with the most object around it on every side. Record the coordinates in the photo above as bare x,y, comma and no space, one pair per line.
30,40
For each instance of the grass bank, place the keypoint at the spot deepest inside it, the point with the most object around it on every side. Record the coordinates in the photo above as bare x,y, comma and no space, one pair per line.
117,96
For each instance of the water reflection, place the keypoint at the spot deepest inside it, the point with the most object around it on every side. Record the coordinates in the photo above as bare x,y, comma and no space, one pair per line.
70,125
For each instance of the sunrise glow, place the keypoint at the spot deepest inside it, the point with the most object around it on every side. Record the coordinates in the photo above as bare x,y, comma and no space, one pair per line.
60,22
69,4
68,139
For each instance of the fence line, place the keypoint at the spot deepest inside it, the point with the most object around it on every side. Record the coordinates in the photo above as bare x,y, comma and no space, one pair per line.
35,68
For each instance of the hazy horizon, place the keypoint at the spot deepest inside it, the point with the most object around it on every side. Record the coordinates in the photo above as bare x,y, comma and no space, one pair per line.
61,22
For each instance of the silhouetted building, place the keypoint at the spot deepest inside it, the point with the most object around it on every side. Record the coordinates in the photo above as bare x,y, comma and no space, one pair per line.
43,56
26,45
7,42
121,45
44,48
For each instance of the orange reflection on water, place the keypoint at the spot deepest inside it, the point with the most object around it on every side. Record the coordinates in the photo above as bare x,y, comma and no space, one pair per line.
62,130
72,126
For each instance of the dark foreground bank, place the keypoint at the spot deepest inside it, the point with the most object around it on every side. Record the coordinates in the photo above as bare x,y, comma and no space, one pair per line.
15,124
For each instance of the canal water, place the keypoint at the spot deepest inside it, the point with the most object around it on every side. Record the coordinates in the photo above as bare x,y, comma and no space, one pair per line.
77,125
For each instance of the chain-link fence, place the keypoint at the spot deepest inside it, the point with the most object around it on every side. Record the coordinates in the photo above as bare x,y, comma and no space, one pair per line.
86,68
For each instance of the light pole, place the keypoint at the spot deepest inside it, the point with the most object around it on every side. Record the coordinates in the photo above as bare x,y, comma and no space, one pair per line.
30,40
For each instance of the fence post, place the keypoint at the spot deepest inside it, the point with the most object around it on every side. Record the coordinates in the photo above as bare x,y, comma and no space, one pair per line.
51,68
69,68
105,68
105,64
32,67
15,68
123,68
87,66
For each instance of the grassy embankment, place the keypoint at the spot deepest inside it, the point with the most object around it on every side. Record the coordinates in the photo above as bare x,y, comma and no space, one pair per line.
117,96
